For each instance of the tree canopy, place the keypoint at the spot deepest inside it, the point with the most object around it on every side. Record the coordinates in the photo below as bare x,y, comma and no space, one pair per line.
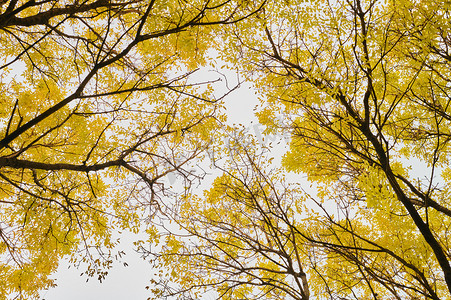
363,89
98,107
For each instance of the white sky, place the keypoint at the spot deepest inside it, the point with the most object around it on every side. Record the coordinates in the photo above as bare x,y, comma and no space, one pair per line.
121,283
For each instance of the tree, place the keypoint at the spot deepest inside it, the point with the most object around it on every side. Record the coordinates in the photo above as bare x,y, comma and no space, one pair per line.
363,88
242,242
97,107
